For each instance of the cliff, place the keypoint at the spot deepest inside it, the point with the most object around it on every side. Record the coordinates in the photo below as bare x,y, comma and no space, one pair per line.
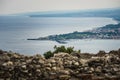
62,66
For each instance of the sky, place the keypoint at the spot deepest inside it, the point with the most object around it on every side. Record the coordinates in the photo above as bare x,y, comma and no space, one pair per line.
21,6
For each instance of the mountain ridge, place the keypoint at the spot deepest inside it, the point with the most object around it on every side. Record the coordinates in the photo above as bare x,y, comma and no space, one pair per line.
76,13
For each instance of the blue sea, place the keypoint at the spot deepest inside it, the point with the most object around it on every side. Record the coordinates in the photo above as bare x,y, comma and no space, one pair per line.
14,31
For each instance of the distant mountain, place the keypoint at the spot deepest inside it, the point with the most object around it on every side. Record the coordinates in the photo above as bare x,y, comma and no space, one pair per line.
113,13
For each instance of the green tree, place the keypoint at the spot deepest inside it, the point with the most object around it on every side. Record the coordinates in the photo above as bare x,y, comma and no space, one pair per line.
59,49
48,54
70,50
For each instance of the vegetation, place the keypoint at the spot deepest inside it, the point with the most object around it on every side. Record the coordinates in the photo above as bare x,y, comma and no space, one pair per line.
48,54
69,50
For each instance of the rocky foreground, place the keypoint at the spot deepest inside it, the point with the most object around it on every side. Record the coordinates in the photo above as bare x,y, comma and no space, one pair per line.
63,66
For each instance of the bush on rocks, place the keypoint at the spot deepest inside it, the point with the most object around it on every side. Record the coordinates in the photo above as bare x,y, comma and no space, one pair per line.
69,50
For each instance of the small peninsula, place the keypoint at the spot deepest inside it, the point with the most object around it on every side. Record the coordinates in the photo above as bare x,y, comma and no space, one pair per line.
111,31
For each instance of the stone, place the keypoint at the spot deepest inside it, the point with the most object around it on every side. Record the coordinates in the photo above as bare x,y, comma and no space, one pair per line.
61,66
66,72
115,69
25,71
61,55
76,54
41,61
54,68
98,69
48,65
23,66
64,77
1,51
85,76
52,76
76,64
98,78
9,63
46,75
16,55
48,68
52,61
38,70
92,69
37,66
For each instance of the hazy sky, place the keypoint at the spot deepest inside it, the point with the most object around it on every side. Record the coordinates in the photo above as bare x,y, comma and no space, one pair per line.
18,6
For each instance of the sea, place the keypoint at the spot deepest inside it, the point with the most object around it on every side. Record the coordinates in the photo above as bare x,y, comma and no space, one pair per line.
15,30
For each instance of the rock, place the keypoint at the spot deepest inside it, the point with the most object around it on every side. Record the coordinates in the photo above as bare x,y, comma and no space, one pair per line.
85,76
46,75
9,63
25,71
4,58
61,66
98,69
84,62
61,55
98,78
41,61
38,70
76,54
101,53
48,65
76,64
37,66
64,77
53,76
23,66
54,68
92,69
52,60
66,72
1,51
16,56
48,68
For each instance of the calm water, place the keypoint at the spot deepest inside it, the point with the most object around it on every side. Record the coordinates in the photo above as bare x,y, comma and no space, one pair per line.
15,30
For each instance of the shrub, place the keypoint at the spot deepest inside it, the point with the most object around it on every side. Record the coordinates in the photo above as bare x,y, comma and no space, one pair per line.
48,54
59,49
69,50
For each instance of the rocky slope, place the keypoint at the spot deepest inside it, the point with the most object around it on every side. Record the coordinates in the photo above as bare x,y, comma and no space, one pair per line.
63,66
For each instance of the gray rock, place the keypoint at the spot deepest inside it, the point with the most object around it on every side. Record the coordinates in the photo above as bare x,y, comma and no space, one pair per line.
61,66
